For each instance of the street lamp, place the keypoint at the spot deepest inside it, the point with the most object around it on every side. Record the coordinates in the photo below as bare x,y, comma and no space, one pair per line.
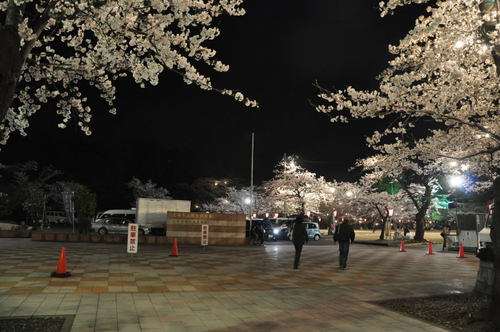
456,181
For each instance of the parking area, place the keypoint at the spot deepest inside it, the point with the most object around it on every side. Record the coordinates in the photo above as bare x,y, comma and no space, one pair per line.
233,288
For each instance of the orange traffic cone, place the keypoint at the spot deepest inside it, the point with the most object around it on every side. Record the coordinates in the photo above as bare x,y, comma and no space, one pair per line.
402,247
429,249
461,251
175,252
61,266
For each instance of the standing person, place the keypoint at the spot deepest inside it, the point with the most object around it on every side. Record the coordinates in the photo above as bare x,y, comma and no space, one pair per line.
253,234
406,230
299,237
260,233
344,234
444,234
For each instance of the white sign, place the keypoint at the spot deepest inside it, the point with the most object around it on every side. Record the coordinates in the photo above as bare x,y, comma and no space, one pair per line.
133,238
204,235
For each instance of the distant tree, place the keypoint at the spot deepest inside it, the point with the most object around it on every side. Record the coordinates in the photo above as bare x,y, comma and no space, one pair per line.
83,198
56,51
205,190
293,189
147,189
241,201
85,207
34,203
4,205
28,186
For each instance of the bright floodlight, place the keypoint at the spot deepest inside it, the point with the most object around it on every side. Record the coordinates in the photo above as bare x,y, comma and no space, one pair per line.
459,44
248,200
456,181
349,193
453,163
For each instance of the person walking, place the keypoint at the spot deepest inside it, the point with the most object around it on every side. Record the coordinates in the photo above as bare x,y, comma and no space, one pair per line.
344,234
299,237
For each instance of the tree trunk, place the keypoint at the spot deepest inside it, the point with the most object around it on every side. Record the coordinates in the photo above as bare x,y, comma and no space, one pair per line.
495,238
420,217
384,221
10,67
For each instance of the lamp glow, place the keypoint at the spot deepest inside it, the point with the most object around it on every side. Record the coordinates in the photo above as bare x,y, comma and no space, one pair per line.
456,181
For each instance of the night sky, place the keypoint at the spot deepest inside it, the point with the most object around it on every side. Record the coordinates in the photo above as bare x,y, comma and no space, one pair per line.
174,133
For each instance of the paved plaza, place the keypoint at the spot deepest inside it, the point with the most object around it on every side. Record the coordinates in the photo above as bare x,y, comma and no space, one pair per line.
224,288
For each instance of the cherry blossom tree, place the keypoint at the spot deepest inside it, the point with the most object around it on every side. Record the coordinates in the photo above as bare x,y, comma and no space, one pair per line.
241,201
444,70
365,199
293,189
56,50
444,77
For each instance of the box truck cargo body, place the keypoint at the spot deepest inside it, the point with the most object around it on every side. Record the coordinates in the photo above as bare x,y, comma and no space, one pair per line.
152,213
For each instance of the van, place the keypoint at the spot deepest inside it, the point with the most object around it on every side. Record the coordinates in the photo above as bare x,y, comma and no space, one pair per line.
127,214
55,217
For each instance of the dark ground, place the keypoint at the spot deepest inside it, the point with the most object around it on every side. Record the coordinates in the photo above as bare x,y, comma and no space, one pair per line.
35,324
456,312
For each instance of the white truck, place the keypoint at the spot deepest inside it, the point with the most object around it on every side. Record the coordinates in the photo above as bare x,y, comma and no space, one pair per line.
152,213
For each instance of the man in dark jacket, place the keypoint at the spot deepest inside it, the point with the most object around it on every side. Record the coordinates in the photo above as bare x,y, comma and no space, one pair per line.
344,234
299,236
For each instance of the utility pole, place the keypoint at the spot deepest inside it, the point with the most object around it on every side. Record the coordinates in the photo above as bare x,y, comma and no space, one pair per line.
251,178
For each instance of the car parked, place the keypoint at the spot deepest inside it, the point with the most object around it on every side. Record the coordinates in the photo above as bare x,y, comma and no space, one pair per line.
312,229
115,225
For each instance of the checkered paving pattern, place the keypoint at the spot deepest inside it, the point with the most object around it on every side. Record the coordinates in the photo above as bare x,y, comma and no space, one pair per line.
106,268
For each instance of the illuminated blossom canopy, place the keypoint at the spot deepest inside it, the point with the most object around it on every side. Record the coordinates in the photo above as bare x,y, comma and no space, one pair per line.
444,70
56,51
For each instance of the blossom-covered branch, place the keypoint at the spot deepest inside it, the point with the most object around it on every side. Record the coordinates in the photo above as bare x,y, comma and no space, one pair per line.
69,45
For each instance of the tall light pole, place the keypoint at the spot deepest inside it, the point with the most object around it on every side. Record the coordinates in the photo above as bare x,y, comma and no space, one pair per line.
251,178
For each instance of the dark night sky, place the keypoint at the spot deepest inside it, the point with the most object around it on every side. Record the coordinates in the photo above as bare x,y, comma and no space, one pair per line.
175,133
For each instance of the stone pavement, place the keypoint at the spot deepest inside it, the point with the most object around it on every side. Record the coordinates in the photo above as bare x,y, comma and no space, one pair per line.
224,288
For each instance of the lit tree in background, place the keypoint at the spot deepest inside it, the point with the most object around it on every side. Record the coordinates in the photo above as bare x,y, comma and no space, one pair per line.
418,178
55,50
240,201
365,199
385,204
293,189
446,70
